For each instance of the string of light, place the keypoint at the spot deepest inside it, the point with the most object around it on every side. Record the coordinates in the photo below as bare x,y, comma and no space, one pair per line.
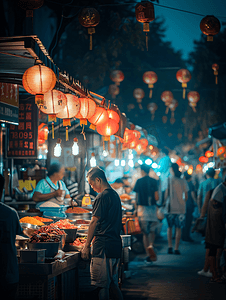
134,3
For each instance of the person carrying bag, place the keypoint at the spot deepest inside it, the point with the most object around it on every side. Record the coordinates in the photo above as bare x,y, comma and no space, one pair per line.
146,189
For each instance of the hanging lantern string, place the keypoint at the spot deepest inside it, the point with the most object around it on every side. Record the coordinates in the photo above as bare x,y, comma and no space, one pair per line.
103,144
83,132
133,3
147,42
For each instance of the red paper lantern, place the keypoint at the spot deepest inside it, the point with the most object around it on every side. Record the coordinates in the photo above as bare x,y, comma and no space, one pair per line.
38,80
198,168
42,133
30,5
134,143
164,119
152,107
141,146
183,76
107,129
71,110
173,105
113,115
193,98
130,107
167,98
89,17
150,78
210,26
87,110
215,68
203,159
117,76
209,154
55,101
99,118
221,151
113,90
128,136
145,14
139,94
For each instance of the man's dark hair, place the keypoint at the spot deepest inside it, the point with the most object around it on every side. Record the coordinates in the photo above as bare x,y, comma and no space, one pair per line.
54,168
165,151
210,172
118,180
187,176
96,172
145,168
176,171
2,182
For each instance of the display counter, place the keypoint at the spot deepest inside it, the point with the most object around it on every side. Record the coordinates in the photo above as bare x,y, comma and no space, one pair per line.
50,280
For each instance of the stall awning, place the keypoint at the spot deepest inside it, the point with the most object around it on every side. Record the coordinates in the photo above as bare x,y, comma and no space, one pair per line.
17,54
218,131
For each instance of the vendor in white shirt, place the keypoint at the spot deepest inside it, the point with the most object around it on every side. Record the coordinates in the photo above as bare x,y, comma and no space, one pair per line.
117,185
52,191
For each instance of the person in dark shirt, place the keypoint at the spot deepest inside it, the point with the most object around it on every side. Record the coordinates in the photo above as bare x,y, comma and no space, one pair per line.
104,233
9,228
190,205
146,189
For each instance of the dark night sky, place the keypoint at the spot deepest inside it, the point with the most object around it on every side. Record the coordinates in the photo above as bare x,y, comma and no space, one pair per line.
183,28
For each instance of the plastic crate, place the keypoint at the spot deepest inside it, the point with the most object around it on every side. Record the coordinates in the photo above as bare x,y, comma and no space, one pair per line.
37,290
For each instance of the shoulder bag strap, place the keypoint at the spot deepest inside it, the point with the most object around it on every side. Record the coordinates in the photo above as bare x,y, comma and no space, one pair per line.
50,185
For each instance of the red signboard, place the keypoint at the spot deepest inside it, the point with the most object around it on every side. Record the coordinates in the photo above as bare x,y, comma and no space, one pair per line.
23,138
9,102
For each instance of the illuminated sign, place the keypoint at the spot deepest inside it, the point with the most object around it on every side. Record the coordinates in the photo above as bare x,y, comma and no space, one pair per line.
23,138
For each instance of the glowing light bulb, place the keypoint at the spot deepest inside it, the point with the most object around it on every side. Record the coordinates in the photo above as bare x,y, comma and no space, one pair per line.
105,153
131,163
123,162
75,147
154,166
58,149
130,156
140,162
93,161
117,162
148,161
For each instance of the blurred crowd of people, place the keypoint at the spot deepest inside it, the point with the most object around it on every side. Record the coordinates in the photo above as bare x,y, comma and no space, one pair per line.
185,203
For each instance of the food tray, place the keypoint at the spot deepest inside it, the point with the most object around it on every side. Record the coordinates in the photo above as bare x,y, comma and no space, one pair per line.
25,213
85,216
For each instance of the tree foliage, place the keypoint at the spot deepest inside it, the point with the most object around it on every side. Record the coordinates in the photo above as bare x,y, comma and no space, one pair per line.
211,108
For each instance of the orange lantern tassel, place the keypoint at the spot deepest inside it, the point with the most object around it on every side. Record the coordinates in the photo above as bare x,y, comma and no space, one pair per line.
52,130
150,94
67,134
91,30
216,78
184,85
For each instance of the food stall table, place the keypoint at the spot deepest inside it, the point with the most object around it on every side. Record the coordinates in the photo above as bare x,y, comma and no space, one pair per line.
53,280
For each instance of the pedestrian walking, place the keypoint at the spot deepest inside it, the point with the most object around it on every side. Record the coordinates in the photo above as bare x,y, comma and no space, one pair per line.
190,205
146,189
176,196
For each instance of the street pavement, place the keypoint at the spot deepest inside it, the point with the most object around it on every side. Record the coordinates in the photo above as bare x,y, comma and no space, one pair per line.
171,277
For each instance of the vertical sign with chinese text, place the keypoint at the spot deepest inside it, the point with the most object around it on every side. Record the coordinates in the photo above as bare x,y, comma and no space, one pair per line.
9,102
23,138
